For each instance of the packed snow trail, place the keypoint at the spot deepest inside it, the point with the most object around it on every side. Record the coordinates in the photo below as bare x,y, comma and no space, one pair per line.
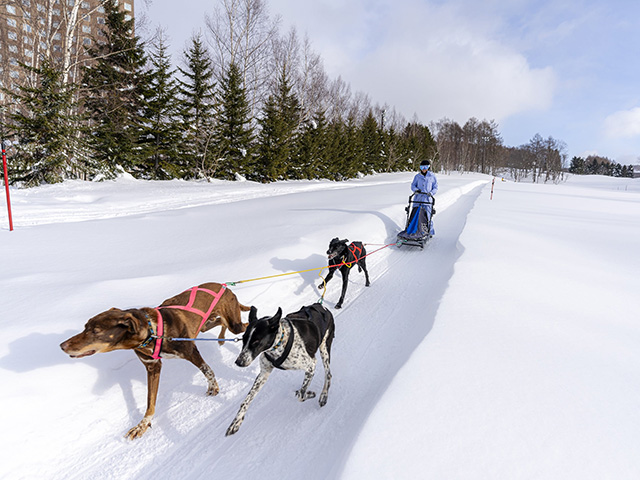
83,268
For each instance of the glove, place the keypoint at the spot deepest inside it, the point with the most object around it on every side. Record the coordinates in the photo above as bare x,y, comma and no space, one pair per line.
420,192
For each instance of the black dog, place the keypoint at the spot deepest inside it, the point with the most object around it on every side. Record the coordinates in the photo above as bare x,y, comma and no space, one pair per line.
342,256
288,343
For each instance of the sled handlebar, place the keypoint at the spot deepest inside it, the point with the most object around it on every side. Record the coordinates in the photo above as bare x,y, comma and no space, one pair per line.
432,202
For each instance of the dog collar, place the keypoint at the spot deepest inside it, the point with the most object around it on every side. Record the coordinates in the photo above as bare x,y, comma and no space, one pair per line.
150,336
158,338
287,349
282,332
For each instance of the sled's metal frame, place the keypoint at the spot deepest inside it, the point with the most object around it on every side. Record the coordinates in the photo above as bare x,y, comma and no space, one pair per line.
420,242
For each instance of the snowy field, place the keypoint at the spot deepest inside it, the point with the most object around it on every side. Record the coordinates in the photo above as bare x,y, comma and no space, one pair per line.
507,349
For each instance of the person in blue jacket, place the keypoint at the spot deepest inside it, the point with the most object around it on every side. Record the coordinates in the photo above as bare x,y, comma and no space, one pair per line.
424,185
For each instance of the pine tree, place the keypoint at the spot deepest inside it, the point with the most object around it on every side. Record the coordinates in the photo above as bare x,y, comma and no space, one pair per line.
577,166
233,134
198,104
112,92
160,141
43,128
311,149
277,137
371,144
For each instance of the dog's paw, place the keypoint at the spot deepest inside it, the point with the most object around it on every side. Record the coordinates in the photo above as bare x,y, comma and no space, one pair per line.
138,430
338,305
302,395
323,399
233,428
213,389
321,286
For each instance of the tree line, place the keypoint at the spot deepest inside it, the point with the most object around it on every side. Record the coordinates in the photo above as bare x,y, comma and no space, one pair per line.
477,146
247,101
595,165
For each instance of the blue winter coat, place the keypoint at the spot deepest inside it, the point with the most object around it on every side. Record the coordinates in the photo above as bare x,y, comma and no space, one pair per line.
425,183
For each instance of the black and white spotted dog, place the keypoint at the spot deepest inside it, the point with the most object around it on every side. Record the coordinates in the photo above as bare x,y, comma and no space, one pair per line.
288,343
342,256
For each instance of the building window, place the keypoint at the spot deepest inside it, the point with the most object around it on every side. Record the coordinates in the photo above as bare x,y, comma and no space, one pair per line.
13,49
86,41
127,6
56,48
14,74
40,7
11,22
86,5
101,9
27,40
11,9
71,3
100,20
26,3
27,28
57,36
86,29
28,53
56,24
13,36
56,11
127,17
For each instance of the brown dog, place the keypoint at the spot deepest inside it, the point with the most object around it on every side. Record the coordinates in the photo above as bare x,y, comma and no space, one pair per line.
183,316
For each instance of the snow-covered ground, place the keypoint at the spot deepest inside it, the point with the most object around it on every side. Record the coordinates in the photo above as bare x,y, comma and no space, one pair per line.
506,349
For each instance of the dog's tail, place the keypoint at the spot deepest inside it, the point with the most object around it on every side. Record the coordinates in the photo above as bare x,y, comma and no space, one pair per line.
244,308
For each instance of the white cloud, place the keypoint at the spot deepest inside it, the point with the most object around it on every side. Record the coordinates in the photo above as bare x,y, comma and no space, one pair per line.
433,60
623,124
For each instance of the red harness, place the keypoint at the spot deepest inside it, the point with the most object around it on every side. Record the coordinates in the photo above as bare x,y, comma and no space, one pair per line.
352,249
187,308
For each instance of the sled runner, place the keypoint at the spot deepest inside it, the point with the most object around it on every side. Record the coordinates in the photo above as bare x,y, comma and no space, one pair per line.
419,222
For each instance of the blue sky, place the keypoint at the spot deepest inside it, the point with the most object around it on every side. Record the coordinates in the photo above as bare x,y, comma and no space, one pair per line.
564,68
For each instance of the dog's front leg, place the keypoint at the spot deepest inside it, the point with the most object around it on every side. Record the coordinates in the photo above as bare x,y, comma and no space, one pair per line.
153,379
345,280
329,276
257,385
302,394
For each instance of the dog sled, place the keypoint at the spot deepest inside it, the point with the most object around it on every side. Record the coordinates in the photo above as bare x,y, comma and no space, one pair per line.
419,222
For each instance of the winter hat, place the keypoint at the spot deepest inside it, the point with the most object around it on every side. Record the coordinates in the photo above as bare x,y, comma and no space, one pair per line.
425,162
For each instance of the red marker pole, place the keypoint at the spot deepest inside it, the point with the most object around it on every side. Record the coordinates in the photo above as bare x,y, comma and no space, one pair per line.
492,182
6,185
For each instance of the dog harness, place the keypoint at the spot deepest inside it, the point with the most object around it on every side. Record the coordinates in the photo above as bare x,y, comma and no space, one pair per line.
187,308
320,321
352,249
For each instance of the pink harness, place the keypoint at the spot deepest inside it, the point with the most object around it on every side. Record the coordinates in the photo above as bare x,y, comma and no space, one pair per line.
187,308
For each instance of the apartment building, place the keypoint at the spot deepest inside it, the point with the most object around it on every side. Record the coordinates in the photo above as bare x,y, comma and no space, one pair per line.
31,30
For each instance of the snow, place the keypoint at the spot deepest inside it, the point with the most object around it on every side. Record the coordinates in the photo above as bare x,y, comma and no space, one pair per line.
507,348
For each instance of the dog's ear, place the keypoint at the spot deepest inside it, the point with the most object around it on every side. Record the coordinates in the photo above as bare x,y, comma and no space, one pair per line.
253,314
345,241
130,322
275,320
